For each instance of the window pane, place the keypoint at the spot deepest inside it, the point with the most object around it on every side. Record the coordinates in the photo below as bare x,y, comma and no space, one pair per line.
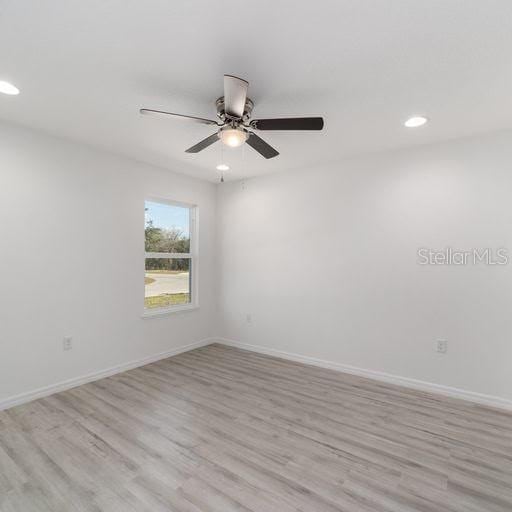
167,228
167,282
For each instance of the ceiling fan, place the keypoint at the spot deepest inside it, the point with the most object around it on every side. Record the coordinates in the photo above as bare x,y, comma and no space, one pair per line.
234,111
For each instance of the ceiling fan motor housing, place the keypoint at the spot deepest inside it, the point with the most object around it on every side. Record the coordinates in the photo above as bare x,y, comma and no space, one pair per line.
221,111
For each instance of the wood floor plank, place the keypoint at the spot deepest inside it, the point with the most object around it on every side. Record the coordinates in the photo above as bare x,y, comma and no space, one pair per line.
220,429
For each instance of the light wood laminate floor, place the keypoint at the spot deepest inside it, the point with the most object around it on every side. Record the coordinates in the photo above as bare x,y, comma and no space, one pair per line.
220,429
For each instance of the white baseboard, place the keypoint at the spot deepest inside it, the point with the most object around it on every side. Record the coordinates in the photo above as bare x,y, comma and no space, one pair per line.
488,400
84,379
471,396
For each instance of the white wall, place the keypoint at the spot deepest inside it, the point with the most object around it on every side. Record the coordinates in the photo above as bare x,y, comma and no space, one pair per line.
325,262
72,259
323,259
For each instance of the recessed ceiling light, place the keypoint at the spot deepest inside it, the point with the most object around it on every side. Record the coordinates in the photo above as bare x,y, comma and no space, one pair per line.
222,167
7,88
415,121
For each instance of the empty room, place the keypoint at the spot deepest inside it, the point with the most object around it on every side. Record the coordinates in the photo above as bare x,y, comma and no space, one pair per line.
256,256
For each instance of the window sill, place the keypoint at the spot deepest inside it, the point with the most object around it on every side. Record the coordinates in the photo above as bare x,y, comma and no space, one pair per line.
152,313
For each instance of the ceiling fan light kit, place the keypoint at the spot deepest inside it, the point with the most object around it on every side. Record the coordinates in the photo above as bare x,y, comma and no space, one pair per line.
234,111
233,137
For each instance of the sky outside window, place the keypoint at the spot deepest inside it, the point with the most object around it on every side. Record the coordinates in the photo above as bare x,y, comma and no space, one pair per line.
168,216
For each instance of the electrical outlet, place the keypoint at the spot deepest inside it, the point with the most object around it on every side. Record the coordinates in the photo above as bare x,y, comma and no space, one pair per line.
248,318
67,343
442,346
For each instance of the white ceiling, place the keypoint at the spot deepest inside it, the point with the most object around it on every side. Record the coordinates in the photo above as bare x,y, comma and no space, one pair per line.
85,68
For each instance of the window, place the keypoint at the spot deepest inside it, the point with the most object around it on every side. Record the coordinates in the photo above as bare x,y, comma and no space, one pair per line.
170,262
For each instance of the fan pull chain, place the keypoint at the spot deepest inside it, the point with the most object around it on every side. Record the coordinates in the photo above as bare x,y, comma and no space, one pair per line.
222,162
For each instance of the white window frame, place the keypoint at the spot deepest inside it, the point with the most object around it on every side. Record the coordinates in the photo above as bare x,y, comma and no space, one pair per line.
192,256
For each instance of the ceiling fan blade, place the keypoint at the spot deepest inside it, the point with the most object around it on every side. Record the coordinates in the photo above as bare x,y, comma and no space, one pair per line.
203,144
261,146
290,123
160,113
235,94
